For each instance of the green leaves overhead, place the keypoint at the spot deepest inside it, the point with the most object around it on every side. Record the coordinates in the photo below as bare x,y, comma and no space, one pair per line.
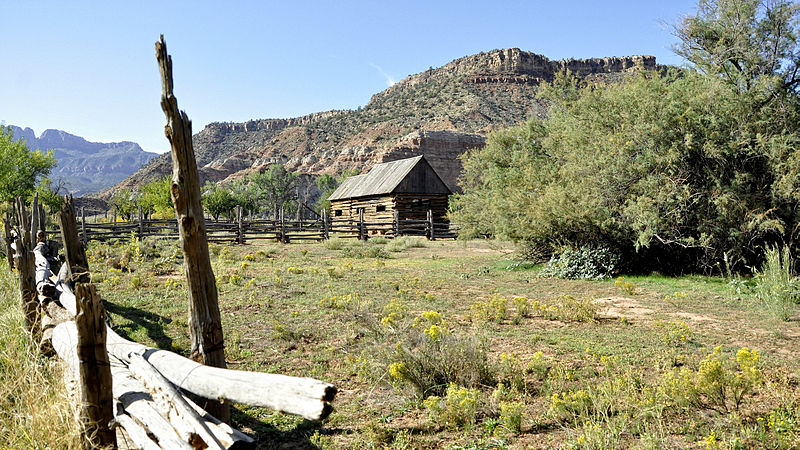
20,169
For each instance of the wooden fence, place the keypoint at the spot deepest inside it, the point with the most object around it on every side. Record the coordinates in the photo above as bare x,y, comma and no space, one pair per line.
244,229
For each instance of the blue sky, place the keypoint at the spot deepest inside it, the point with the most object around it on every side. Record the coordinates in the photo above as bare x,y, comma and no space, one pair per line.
89,68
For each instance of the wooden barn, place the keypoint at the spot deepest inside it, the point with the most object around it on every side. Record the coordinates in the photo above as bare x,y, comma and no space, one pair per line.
409,186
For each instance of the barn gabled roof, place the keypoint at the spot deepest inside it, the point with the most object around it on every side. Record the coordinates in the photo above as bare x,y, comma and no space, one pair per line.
386,178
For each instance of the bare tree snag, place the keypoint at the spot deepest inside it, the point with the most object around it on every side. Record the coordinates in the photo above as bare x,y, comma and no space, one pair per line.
94,371
204,319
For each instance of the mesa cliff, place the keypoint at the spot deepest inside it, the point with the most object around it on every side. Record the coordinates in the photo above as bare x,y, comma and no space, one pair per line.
440,113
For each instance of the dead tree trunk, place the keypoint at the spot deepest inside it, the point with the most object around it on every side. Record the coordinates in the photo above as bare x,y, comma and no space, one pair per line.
204,319
94,370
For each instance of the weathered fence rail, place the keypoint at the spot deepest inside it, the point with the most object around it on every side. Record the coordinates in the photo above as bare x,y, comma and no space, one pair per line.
245,229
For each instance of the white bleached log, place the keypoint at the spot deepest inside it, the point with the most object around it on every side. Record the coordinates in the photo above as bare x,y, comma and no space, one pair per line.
138,434
136,402
306,397
151,416
169,400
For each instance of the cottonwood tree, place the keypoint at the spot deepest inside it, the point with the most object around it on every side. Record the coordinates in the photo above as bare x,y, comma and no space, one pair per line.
155,197
20,168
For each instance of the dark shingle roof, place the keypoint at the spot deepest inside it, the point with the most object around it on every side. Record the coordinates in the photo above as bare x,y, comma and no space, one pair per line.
382,179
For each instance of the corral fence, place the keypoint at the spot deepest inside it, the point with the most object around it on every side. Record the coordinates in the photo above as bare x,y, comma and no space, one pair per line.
244,228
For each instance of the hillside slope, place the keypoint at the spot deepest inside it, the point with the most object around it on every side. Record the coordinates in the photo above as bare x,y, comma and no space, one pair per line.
440,113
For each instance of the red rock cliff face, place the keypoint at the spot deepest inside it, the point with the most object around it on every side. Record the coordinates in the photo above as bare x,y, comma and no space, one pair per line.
440,113
442,149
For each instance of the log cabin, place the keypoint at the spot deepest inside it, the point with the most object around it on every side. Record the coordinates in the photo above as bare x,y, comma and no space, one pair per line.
409,186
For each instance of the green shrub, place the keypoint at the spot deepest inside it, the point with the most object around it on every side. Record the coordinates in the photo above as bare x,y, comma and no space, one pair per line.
404,242
583,263
458,408
334,243
429,358
511,416
777,288
719,384
493,310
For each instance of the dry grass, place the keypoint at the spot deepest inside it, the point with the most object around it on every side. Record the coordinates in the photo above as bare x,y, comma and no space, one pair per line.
35,410
346,317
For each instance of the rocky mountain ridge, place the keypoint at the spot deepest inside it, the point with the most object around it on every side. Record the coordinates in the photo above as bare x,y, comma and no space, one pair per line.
85,166
440,113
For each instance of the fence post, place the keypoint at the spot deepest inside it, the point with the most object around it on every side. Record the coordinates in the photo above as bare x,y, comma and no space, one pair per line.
282,236
205,324
141,224
325,230
361,236
7,230
431,234
24,262
94,370
83,227
240,237
396,223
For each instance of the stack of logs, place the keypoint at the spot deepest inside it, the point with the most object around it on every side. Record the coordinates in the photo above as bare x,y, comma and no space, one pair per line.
150,407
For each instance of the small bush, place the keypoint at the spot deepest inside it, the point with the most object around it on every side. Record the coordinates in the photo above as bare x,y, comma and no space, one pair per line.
493,310
777,288
430,358
459,407
511,414
360,251
403,243
627,286
719,384
334,243
583,263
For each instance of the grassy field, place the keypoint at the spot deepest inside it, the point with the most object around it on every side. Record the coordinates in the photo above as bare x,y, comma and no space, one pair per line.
454,345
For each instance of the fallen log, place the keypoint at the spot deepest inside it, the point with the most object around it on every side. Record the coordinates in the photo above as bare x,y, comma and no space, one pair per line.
153,419
306,397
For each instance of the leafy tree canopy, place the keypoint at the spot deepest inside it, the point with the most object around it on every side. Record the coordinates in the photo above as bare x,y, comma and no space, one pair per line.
20,169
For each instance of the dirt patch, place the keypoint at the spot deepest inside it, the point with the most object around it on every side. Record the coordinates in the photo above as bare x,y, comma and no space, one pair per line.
695,317
616,307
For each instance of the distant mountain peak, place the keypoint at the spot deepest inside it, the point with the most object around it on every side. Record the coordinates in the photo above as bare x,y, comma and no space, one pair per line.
86,166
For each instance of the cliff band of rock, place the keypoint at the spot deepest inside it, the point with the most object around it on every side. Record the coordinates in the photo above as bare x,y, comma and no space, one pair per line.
440,113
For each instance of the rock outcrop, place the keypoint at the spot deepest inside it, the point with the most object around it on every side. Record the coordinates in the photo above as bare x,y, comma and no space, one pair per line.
439,113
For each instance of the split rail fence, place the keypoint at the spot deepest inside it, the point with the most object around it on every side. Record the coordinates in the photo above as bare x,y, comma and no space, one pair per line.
244,229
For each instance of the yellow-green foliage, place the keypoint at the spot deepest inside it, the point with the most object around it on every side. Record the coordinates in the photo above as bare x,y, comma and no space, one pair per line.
539,366
511,414
627,286
457,409
493,310
676,299
569,404
510,371
720,384
348,301
674,332
393,312
432,324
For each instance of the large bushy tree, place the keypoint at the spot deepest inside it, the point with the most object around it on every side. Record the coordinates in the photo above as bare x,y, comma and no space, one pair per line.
20,168
682,171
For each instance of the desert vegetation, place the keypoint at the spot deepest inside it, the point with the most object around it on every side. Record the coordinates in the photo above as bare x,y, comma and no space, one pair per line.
689,171
457,344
